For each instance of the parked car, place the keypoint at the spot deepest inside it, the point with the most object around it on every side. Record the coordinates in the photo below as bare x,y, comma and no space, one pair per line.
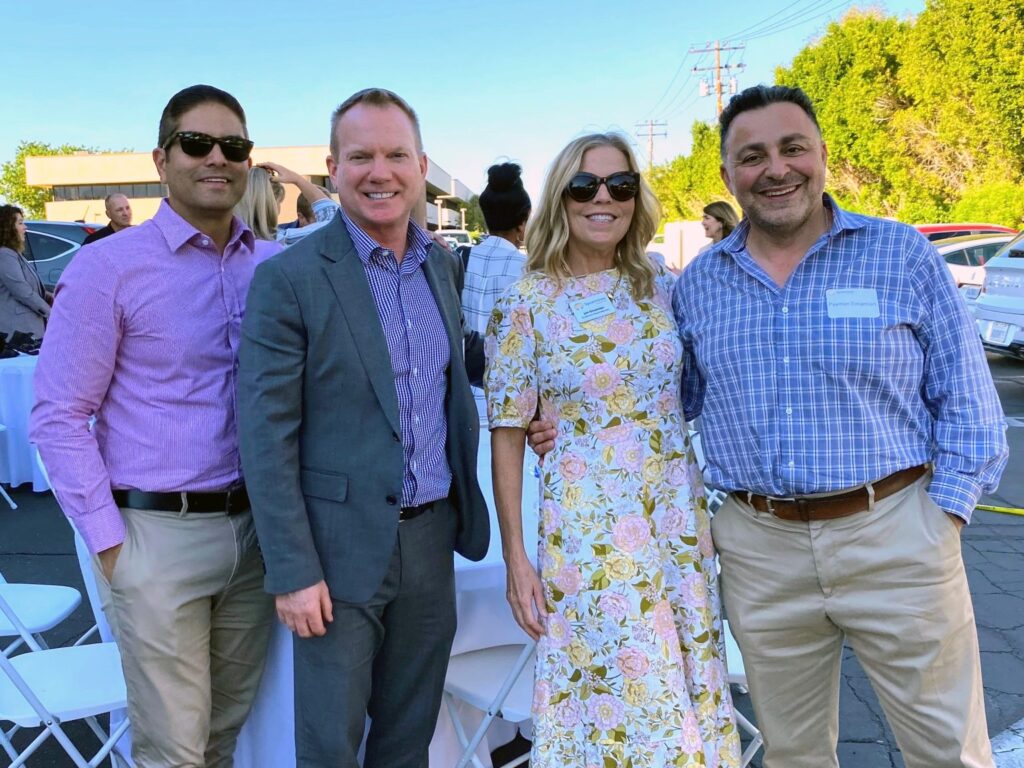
967,256
49,246
944,231
456,237
999,308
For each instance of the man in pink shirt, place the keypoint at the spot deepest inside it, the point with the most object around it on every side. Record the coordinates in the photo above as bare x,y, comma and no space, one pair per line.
144,337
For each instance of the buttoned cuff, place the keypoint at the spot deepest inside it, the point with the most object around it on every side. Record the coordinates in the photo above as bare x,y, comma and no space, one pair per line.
101,528
955,494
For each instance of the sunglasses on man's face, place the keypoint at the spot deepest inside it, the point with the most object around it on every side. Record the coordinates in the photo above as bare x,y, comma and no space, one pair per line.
195,144
622,186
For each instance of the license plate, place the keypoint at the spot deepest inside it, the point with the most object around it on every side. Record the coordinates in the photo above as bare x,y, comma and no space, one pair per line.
1000,334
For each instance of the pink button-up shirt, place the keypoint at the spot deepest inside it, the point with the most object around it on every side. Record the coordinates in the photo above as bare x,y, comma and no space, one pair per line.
144,336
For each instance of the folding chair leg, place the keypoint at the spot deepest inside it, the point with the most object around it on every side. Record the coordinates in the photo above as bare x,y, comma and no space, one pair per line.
94,629
7,497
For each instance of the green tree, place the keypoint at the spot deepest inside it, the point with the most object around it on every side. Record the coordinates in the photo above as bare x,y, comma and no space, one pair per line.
475,216
689,182
1000,203
32,200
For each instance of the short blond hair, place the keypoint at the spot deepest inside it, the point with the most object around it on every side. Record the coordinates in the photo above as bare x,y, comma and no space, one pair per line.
547,234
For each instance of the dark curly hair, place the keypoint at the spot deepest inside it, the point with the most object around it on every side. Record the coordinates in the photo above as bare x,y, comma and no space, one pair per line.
9,237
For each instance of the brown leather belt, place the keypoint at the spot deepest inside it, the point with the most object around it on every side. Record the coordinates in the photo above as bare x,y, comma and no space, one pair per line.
834,506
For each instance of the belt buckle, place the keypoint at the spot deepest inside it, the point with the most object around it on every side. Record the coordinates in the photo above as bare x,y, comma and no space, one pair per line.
771,506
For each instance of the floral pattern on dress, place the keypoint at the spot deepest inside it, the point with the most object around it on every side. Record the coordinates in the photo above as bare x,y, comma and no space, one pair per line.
630,671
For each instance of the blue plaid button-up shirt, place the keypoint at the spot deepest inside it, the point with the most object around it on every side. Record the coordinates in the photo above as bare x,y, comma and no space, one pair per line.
799,394
418,344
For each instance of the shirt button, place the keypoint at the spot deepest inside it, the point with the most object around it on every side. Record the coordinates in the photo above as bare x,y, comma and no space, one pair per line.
391,499
408,323
785,310
785,359
413,464
415,419
205,241
397,438
789,411
792,463
415,371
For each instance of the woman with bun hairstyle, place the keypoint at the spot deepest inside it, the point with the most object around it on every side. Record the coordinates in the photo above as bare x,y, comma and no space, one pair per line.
496,262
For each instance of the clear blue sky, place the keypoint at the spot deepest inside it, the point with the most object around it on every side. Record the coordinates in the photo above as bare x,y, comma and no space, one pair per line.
490,80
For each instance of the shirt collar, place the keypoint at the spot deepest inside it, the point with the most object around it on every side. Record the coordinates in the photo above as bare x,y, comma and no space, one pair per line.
842,221
178,232
418,241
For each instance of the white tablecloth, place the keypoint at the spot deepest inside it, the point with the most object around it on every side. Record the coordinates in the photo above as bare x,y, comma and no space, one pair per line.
17,456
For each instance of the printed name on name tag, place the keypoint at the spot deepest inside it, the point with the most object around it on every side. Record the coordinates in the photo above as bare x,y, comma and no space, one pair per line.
592,307
852,302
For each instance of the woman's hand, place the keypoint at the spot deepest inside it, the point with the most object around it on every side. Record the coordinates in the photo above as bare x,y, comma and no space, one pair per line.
526,596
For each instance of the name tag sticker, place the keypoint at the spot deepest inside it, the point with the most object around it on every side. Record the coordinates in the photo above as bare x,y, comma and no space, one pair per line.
592,307
852,302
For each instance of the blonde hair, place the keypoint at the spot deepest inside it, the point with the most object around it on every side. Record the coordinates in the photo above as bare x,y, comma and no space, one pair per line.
258,207
547,234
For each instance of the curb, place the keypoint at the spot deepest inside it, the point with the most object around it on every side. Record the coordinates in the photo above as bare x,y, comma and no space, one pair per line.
1008,747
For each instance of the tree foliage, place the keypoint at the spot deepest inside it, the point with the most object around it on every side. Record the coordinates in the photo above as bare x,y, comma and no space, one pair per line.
922,117
32,200
474,215
688,183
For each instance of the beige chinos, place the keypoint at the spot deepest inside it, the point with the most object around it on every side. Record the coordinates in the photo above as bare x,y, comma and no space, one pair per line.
889,580
187,606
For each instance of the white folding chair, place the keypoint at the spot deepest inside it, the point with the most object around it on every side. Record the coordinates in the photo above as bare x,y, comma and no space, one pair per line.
492,681
3,491
738,677
47,688
36,608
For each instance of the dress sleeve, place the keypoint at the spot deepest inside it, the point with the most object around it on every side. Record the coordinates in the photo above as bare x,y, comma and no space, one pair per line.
510,380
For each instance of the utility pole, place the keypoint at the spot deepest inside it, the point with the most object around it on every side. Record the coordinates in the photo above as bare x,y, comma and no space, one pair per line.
651,125
718,68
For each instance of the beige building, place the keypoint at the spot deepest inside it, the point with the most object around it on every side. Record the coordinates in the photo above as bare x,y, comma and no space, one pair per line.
80,182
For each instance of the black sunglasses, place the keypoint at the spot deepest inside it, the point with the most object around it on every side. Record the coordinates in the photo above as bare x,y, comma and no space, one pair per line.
195,144
622,186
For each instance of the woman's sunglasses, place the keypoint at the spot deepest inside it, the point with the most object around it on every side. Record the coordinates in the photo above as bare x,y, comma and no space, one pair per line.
622,186
194,144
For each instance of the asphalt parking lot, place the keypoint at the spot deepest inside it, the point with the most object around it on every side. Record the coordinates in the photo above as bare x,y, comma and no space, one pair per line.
36,546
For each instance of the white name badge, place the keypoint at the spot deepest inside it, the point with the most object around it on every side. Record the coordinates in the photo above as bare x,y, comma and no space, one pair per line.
592,307
852,302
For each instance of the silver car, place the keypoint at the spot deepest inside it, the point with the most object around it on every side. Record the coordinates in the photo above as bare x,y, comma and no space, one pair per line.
999,308
49,246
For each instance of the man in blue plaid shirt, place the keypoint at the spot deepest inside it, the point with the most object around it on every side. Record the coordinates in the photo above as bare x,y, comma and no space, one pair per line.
848,409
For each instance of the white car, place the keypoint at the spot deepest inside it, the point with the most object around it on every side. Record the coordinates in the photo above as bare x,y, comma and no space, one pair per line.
966,256
999,308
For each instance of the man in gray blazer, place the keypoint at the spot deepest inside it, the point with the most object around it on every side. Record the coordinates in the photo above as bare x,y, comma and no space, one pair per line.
359,440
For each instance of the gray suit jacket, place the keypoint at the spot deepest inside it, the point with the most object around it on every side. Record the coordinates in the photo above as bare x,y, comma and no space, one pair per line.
22,306
319,425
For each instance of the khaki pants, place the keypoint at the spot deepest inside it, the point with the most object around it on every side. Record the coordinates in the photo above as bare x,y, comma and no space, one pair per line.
187,606
890,581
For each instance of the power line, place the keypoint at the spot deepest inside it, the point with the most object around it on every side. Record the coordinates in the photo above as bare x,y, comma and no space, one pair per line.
718,68
776,29
669,86
756,29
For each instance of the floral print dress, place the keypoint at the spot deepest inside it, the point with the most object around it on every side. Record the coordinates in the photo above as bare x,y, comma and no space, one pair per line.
630,671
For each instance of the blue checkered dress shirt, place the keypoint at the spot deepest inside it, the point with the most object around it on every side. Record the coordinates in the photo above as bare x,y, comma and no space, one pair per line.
418,344
794,401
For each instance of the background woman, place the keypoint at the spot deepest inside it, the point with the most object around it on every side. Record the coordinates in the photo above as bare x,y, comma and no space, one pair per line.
24,303
259,206
630,668
496,262
719,221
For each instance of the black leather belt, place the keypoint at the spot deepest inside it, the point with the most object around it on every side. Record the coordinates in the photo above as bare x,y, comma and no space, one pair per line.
408,513
233,501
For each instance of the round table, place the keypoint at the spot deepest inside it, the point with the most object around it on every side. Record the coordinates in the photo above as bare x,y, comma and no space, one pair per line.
17,455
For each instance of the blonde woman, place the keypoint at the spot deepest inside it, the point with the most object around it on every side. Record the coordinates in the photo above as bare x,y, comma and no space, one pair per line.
630,667
259,206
